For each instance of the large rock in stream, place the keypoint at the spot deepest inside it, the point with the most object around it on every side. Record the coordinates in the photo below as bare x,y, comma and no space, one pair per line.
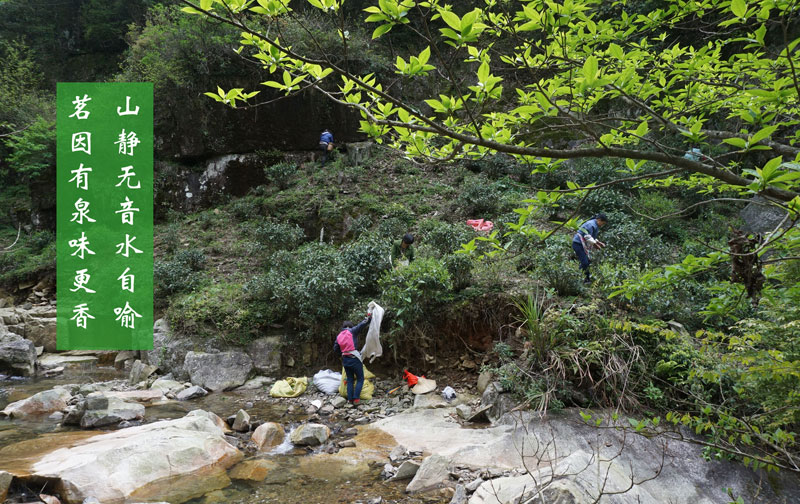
170,460
17,355
40,404
572,459
218,371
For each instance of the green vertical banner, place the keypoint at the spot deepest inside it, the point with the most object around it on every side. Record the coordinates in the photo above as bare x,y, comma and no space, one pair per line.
104,227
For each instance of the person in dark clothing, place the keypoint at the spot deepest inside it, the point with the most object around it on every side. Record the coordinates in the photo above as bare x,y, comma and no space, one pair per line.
345,344
326,144
403,250
585,239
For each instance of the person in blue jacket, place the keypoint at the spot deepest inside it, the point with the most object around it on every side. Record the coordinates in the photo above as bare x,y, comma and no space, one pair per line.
586,239
325,144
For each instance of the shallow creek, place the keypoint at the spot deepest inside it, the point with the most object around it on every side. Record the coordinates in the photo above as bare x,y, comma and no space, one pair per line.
298,476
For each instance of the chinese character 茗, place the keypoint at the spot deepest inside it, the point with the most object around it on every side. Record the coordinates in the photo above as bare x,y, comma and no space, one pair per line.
127,211
126,177
128,110
80,104
82,245
81,312
81,279
125,247
126,316
127,280
82,208
82,141
81,177
127,142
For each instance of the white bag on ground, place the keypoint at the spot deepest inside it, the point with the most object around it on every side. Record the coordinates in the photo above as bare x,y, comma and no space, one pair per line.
327,381
372,347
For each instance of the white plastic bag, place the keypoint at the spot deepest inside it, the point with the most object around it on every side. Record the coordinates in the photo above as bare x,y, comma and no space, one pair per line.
448,393
327,381
372,346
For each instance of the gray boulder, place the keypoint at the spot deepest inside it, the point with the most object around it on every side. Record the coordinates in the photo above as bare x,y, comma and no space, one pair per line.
497,401
168,352
167,461
432,475
242,421
17,355
310,434
43,403
218,371
268,435
123,359
760,216
104,410
460,497
191,393
266,355
5,484
140,372
407,470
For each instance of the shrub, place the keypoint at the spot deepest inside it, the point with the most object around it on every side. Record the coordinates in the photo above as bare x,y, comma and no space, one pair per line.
396,222
276,235
412,290
307,286
479,198
244,209
444,238
654,204
556,266
628,241
216,311
281,174
367,258
178,274
459,266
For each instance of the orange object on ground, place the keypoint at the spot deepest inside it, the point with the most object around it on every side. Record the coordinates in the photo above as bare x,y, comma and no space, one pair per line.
410,378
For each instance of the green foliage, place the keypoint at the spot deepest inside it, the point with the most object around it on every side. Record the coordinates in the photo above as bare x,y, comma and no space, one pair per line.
556,265
217,311
532,309
366,259
413,291
459,266
479,198
443,237
281,174
275,235
32,256
657,206
33,150
179,274
306,287
395,222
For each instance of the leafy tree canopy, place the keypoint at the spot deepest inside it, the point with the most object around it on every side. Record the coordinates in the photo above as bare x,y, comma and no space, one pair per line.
698,93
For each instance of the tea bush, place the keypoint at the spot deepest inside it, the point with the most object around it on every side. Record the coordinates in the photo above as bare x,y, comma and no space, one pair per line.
443,237
367,258
412,291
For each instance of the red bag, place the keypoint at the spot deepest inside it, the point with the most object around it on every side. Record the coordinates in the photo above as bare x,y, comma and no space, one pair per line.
410,378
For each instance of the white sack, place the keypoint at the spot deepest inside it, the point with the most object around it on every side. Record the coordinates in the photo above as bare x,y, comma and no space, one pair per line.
372,347
327,381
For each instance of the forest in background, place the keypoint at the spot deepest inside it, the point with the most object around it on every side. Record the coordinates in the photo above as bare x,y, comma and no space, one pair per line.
685,345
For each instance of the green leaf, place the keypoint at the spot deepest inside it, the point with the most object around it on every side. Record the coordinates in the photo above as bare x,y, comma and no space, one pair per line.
739,8
451,19
384,28
741,143
191,10
206,4
590,69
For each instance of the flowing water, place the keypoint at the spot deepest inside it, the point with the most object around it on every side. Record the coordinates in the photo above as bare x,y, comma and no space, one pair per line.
297,475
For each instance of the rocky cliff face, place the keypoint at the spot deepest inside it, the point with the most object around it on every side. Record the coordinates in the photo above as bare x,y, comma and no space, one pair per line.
197,127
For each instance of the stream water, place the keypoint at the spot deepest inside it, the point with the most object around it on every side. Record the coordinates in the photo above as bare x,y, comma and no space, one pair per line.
296,476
